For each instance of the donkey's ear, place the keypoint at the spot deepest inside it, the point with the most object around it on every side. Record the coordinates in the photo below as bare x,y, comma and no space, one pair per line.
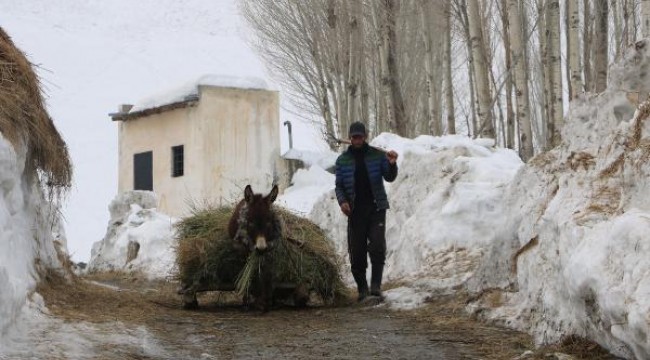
272,195
248,194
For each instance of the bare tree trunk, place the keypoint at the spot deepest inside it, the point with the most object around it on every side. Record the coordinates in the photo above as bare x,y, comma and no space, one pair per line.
575,73
510,114
634,25
365,103
355,55
480,70
381,91
520,61
429,64
449,86
545,72
645,18
567,41
602,38
390,76
618,38
587,42
438,48
556,116
628,13
473,129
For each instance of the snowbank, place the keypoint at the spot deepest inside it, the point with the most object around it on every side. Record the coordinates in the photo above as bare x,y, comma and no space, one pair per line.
579,219
323,159
445,208
138,238
27,244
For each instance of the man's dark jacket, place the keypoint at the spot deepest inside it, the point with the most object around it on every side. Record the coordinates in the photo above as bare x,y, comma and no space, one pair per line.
379,169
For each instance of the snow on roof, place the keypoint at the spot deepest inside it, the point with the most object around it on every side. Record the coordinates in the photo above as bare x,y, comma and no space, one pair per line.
184,94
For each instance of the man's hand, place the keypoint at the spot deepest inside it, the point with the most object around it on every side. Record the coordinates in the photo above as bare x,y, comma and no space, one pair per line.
392,157
345,208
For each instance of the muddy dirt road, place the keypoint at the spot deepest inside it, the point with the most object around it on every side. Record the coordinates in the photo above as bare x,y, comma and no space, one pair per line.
222,329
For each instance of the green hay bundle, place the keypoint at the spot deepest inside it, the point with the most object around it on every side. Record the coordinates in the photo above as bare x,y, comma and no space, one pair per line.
207,259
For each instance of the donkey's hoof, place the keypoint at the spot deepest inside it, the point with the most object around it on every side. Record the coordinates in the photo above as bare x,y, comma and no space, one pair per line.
192,305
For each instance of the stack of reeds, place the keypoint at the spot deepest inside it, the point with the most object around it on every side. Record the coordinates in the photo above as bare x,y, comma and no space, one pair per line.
208,259
25,122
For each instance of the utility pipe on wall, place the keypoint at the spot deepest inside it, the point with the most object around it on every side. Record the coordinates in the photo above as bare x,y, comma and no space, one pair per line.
288,125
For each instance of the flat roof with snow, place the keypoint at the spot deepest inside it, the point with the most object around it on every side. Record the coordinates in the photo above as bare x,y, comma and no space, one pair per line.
186,95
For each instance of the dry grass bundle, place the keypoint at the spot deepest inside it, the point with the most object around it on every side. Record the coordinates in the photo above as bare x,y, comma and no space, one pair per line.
205,255
24,120
208,259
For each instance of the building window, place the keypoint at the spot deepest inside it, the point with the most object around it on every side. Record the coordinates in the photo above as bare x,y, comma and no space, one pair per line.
177,160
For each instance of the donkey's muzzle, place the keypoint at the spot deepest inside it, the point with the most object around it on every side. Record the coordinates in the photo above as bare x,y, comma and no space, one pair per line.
261,244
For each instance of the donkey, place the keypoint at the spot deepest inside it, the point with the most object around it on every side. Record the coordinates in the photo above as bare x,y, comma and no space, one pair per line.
254,226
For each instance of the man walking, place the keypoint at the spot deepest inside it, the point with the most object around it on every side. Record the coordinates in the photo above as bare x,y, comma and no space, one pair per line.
360,174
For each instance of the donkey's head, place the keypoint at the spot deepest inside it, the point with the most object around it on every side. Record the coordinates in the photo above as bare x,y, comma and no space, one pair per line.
257,225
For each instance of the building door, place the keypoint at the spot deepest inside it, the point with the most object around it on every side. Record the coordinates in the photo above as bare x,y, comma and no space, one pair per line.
143,171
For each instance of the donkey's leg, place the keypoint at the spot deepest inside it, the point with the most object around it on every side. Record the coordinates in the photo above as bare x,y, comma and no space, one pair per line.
300,296
189,300
266,283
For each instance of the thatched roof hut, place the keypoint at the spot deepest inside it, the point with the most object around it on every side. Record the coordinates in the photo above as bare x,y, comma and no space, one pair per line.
24,120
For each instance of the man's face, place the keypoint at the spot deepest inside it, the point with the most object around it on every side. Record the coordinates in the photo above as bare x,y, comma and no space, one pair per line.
357,140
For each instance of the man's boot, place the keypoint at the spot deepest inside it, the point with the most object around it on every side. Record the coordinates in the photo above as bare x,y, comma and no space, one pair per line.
375,281
362,284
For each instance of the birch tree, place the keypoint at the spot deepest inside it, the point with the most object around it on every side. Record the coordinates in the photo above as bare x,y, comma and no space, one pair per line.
480,70
510,116
630,21
575,72
460,8
429,65
587,40
567,41
449,85
390,74
645,18
616,9
556,111
601,42
356,54
519,62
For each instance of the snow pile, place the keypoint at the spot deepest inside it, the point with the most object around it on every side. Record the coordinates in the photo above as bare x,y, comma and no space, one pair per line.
579,219
27,246
446,207
138,238
323,159
307,187
191,89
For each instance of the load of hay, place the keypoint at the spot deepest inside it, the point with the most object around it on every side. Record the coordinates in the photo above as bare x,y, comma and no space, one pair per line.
24,120
208,260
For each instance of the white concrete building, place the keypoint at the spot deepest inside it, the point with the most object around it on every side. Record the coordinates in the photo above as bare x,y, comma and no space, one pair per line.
202,142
